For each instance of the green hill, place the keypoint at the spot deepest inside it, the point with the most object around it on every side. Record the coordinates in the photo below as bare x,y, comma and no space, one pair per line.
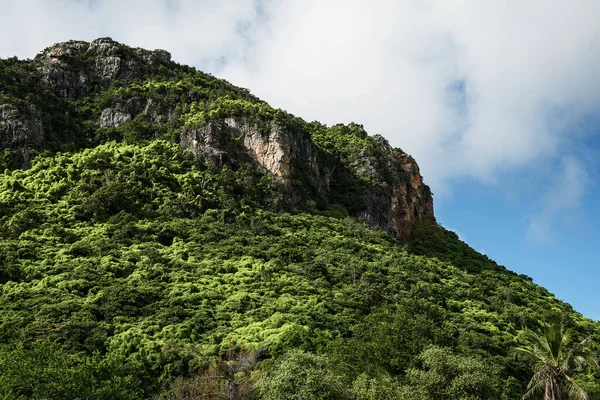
165,234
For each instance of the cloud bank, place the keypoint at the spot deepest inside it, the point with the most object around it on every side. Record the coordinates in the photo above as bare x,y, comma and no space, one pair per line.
472,89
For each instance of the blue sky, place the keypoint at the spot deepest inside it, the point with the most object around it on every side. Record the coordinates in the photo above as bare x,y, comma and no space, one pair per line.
566,265
497,220
499,101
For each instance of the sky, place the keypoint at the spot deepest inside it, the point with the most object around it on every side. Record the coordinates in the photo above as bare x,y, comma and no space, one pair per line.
498,101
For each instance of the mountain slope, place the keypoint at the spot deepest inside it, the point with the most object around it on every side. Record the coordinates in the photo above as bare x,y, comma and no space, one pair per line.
155,219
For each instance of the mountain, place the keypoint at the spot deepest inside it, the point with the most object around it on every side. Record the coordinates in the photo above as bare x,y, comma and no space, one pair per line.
166,234
104,90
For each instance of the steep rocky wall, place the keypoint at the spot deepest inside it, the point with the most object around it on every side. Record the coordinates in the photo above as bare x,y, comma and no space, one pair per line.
220,141
399,199
394,207
411,200
272,149
21,130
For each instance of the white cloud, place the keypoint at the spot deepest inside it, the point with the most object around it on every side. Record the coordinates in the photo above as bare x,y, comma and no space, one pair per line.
196,32
390,65
472,89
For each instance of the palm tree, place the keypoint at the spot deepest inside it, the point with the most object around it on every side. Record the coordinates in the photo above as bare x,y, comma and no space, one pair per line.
555,363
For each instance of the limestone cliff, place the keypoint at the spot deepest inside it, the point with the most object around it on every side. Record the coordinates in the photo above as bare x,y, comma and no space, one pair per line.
21,128
71,68
86,93
395,204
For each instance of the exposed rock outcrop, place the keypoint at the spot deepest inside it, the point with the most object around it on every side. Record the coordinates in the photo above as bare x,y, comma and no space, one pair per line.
57,70
21,129
411,201
18,130
220,141
71,67
395,206
273,149
113,117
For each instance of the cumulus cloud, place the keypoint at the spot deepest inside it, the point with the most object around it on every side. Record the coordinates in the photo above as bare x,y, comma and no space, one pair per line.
205,33
472,89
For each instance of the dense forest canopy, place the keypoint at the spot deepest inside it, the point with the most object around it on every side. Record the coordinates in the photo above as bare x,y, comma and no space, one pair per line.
133,268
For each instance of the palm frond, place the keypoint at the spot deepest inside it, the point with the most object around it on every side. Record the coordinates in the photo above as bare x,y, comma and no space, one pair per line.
555,363
575,391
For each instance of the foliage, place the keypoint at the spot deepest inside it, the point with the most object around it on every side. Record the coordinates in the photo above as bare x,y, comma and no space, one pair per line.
384,387
302,376
45,371
445,375
555,362
141,252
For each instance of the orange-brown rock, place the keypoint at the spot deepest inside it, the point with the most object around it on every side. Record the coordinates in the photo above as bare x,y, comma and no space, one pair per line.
411,201
397,200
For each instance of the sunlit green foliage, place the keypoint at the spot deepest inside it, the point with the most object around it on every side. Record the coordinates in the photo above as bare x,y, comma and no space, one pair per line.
142,253
447,376
556,360
302,376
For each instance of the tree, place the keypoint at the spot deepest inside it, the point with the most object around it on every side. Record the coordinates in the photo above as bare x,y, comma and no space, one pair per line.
446,375
555,363
44,370
382,386
302,376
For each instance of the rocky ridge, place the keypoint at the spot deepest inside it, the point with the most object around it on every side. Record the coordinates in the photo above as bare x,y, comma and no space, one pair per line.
70,68
376,183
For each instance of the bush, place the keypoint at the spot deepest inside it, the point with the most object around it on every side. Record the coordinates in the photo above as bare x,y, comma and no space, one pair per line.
445,375
302,376
44,371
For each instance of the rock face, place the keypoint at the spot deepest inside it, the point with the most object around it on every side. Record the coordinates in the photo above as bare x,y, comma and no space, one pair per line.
71,67
394,207
56,70
273,149
21,129
400,199
113,117
411,201
229,139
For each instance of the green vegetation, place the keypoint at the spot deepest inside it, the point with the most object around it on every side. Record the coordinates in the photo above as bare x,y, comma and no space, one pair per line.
302,376
130,269
555,363
141,256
